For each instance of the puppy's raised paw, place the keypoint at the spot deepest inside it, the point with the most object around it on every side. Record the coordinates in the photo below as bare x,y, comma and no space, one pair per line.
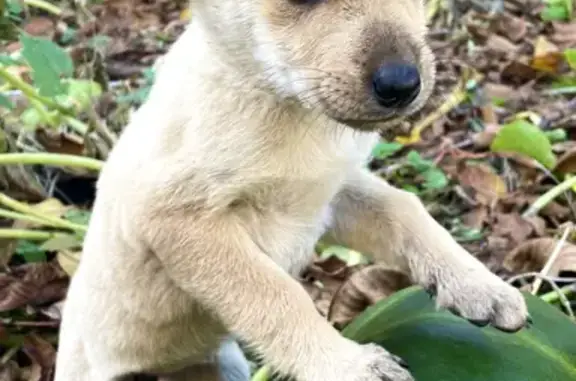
376,364
483,298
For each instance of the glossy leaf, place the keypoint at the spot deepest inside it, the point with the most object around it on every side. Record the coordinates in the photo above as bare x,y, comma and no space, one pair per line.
439,346
527,139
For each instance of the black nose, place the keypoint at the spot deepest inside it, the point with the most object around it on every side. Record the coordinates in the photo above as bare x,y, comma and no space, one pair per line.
396,84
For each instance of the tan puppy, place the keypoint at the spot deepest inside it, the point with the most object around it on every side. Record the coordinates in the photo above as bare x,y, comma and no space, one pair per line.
253,144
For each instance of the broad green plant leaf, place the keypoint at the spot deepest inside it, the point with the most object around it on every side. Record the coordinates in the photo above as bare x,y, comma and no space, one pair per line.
527,139
439,346
49,62
382,150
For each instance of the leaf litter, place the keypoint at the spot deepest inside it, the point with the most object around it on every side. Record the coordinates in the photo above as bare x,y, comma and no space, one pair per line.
497,136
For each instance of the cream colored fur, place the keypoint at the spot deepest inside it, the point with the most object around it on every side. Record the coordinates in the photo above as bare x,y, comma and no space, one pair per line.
218,189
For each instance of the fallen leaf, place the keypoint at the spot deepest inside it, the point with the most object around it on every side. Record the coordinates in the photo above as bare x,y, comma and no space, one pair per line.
547,57
566,163
524,138
481,178
32,283
362,289
42,354
513,226
533,254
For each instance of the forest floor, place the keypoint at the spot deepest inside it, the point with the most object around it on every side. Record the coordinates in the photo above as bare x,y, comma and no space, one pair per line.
493,154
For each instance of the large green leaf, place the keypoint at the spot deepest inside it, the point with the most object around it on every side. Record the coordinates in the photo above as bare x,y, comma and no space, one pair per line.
440,346
526,139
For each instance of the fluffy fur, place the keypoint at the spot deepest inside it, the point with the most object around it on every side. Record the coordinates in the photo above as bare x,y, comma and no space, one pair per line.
251,146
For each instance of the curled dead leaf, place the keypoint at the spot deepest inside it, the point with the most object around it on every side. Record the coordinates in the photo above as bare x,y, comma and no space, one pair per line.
533,254
513,226
566,164
42,354
483,180
362,289
547,56
33,283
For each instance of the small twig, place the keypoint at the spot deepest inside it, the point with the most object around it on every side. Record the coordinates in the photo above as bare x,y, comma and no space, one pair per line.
563,299
49,220
41,4
554,295
552,258
457,96
549,196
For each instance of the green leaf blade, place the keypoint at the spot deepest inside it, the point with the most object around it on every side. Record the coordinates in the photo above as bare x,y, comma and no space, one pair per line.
526,139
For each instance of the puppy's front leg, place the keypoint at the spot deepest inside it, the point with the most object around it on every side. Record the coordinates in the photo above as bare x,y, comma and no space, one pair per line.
219,265
393,225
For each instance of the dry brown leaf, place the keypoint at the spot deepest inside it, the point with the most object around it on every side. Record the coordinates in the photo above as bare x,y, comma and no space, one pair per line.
533,254
566,164
481,178
59,142
564,34
323,278
362,289
43,356
513,226
476,218
547,56
514,28
40,26
32,283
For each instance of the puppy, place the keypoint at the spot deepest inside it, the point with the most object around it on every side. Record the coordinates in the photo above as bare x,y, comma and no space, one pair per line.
252,145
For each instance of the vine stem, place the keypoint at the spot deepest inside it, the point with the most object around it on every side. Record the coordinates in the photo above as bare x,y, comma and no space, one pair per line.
32,235
549,196
53,221
31,93
41,4
57,159
22,217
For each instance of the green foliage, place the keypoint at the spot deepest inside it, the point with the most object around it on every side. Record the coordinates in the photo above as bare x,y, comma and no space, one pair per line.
433,177
30,251
527,139
557,10
383,150
140,95
570,57
438,345
49,64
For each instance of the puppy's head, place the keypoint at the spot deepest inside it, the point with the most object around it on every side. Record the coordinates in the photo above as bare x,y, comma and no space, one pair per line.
360,62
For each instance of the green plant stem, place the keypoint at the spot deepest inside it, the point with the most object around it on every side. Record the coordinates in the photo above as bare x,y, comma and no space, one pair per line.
56,159
49,220
554,296
32,235
41,4
549,196
261,374
22,217
31,93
